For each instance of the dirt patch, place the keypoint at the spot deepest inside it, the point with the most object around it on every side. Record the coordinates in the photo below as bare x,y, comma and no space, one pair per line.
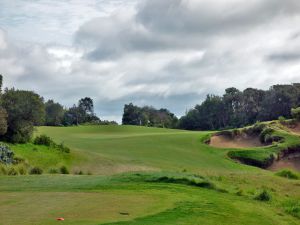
288,161
239,141
294,128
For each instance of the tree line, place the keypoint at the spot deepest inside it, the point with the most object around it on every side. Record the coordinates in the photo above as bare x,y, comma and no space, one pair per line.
233,109
240,108
148,116
21,110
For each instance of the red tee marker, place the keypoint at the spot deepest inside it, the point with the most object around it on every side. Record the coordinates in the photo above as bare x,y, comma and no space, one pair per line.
60,219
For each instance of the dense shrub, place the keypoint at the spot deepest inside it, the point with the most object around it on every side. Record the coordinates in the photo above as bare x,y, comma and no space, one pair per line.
61,147
263,196
47,141
288,174
6,155
296,113
64,170
12,171
43,140
281,119
266,135
36,171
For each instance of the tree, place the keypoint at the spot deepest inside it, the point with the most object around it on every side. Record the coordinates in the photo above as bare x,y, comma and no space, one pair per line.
25,110
3,121
87,105
54,113
296,113
3,113
131,115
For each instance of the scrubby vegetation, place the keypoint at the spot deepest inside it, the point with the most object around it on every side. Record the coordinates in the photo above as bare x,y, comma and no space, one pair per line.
264,196
288,174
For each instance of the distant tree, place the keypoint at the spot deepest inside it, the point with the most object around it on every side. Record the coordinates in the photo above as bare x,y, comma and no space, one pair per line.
251,105
3,113
72,116
148,116
237,109
1,83
25,110
86,105
54,113
131,115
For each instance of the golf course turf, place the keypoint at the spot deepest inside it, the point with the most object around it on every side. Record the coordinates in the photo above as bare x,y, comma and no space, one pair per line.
143,176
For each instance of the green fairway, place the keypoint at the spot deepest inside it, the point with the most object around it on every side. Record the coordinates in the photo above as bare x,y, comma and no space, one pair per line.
114,149
143,176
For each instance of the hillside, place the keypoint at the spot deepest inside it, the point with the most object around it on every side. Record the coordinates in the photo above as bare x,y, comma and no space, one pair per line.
148,176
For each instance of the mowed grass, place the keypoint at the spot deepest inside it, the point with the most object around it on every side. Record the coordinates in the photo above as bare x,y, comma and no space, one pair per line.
115,149
92,200
115,195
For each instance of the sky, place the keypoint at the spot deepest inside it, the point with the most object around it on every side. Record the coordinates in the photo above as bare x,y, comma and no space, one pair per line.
164,53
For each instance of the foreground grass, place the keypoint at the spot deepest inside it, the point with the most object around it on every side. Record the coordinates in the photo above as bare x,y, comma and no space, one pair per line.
126,199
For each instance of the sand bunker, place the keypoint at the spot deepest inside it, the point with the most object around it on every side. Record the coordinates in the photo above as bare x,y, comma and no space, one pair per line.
240,141
291,161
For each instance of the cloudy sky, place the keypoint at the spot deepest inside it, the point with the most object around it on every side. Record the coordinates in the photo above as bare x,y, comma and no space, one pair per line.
165,53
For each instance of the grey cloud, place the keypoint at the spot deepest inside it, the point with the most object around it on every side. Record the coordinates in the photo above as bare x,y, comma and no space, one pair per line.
284,57
190,17
177,24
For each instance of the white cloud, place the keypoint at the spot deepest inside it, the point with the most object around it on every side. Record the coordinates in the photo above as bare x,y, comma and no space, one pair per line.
167,53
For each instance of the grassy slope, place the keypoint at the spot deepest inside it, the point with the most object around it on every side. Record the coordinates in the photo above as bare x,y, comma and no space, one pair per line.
112,149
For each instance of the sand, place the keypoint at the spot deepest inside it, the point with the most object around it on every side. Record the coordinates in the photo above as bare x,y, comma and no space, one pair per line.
291,161
242,141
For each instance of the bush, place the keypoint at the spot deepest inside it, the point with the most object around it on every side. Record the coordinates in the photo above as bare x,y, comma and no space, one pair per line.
12,171
281,119
43,140
288,174
264,196
63,148
64,170
36,171
266,135
296,113
47,141
22,170
6,154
